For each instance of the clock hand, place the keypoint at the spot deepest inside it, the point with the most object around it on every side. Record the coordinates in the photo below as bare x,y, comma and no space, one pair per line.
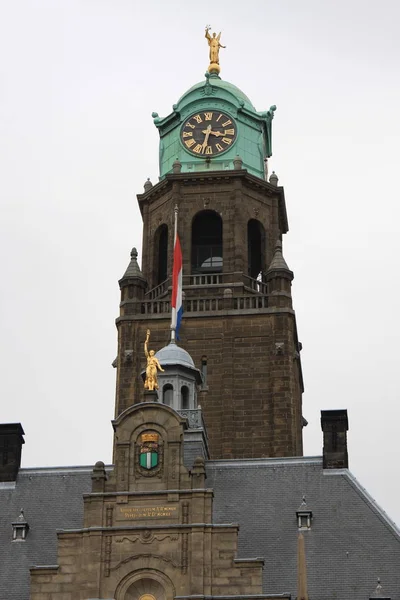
207,135
216,133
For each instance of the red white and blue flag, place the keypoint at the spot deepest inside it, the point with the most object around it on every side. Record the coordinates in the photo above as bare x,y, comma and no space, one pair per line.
176,300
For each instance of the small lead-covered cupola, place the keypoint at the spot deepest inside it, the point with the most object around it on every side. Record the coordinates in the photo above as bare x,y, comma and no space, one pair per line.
20,528
180,379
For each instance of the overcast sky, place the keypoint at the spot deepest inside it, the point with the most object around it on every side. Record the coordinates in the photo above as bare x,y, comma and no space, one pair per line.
79,80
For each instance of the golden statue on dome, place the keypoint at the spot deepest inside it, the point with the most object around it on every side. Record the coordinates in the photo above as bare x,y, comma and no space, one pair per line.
215,45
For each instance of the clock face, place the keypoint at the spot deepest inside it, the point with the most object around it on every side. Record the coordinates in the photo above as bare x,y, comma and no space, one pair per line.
209,133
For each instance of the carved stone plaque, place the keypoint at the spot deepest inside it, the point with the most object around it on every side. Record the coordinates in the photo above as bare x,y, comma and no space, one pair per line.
124,513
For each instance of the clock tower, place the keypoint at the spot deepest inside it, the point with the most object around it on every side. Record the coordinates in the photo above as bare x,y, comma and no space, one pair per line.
238,322
212,123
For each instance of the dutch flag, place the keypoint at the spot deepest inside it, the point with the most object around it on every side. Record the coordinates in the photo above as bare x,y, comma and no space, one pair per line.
176,300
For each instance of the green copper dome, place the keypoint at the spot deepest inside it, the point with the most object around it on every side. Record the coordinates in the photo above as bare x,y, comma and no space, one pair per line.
222,85
211,124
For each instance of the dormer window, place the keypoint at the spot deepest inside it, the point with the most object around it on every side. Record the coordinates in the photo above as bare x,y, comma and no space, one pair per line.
20,528
304,521
304,516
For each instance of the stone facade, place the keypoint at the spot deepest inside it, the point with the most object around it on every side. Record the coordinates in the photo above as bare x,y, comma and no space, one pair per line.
244,328
148,530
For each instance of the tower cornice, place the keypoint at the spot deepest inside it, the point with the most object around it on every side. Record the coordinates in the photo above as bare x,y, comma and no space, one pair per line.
203,178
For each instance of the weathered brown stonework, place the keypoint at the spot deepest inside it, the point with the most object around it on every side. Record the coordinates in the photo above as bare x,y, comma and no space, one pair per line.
246,329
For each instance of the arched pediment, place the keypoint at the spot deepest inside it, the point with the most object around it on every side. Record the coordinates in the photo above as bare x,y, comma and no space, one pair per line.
150,412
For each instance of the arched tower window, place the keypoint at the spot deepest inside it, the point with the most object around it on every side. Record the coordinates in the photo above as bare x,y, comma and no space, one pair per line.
184,396
207,242
255,248
168,394
161,254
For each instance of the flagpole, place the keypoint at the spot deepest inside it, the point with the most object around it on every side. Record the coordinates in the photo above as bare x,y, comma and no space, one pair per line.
173,310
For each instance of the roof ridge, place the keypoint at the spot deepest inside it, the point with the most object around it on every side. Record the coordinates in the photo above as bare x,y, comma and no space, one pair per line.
244,462
371,502
59,469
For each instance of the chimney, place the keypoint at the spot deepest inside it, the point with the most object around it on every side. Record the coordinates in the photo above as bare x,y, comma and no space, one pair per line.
334,425
11,440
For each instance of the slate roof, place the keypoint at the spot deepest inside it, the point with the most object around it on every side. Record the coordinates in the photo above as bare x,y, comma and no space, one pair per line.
350,544
51,499
351,541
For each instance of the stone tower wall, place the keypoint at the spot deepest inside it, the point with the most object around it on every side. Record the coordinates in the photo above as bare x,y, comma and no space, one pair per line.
252,397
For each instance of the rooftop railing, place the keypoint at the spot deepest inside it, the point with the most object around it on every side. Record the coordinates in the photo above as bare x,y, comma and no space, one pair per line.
209,280
211,304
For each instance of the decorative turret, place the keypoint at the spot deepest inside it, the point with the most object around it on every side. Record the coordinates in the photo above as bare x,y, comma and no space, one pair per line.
132,284
279,279
178,383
